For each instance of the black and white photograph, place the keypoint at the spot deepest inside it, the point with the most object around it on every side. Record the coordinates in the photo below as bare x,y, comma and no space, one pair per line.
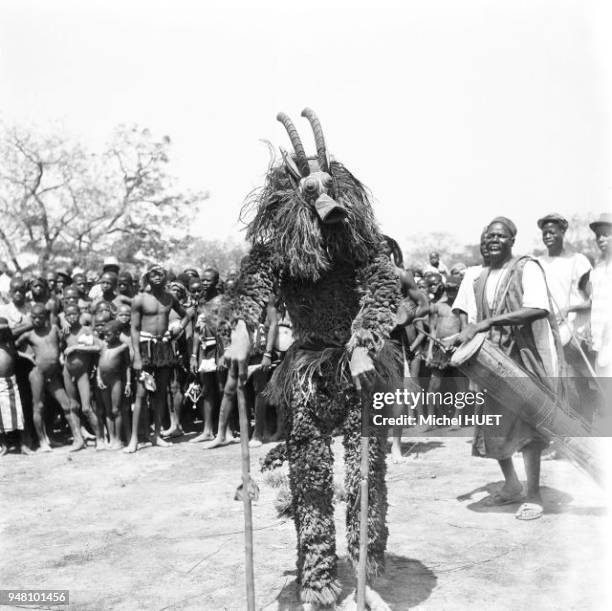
305,306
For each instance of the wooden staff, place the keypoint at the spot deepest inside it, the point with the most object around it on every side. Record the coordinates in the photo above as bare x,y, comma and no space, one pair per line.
246,496
363,510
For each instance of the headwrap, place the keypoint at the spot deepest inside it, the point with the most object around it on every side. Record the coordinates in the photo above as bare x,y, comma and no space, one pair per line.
156,267
179,288
145,277
553,217
506,222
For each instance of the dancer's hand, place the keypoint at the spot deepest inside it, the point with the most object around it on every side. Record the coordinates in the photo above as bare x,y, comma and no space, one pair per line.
240,348
362,369
266,362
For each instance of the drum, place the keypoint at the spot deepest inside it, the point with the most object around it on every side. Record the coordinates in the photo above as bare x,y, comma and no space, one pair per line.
505,380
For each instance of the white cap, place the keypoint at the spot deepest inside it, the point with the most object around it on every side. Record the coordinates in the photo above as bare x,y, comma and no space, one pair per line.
110,261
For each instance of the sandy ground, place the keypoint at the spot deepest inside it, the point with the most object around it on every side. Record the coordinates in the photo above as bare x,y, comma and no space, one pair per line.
160,530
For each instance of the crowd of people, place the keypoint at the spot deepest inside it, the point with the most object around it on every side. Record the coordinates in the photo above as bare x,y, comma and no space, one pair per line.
91,358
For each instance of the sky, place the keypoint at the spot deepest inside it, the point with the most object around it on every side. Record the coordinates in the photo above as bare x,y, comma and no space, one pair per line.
452,112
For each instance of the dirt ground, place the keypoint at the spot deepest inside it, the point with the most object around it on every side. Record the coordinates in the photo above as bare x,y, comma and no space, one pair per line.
160,530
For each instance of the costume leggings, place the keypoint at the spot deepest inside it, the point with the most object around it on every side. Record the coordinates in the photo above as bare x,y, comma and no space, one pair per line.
311,421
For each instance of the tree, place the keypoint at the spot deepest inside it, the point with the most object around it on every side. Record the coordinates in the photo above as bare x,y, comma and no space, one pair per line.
224,256
418,247
57,199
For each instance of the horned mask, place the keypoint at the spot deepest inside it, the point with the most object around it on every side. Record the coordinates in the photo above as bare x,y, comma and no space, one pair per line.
312,174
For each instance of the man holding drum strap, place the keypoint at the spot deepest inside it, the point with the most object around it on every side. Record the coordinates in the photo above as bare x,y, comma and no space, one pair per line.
512,306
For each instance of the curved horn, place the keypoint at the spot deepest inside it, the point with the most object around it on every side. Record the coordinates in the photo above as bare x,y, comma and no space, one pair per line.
319,138
302,161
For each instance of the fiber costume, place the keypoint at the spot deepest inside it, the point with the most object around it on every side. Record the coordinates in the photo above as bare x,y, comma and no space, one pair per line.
314,237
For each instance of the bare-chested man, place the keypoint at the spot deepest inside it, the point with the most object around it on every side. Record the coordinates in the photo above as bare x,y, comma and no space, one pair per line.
153,351
114,381
443,324
46,343
80,353
182,348
206,347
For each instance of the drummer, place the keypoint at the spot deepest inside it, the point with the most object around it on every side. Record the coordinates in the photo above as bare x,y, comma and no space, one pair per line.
512,306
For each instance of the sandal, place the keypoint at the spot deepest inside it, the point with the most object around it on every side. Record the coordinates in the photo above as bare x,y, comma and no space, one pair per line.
529,511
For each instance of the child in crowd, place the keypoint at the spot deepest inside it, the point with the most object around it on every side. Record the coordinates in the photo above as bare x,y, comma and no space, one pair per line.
114,381
46,343
82,347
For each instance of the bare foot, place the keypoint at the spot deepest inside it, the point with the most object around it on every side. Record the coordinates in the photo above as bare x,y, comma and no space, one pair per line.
77,444
87,436
176,431
255,443
507,495
159,441
217,443
132,447
229,438
116,444
204,436
26,450
44,447
3,450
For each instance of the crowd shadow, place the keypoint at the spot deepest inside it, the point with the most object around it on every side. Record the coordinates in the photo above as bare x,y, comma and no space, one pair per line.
406,583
